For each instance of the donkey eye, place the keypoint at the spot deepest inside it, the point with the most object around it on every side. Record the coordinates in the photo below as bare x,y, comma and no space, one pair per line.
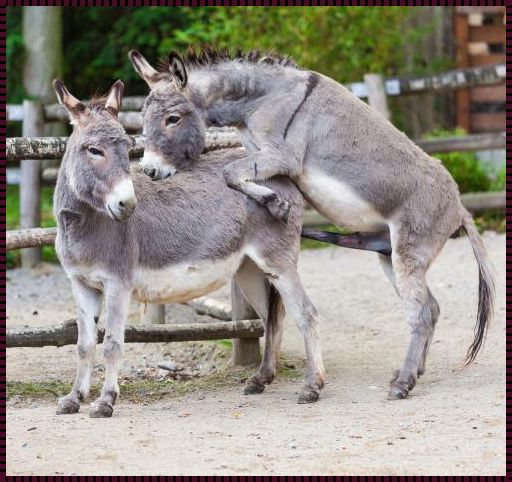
94,151
172,119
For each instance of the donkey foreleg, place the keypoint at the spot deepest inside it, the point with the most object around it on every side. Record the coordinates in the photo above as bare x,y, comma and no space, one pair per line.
88,311
261,166
117,300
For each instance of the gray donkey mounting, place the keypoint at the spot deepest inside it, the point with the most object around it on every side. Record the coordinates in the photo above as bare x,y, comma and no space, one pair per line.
349,162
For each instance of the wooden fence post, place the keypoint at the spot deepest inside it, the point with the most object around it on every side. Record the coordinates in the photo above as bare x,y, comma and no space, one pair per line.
245,350
152,314
30,215
377,93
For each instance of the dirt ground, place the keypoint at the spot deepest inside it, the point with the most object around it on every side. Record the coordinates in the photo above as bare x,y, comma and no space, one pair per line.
454,421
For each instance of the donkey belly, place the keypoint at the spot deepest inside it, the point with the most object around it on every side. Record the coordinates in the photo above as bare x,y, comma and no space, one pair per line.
337,202
184,281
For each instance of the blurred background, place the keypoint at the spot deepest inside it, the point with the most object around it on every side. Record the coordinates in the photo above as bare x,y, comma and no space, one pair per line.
87,47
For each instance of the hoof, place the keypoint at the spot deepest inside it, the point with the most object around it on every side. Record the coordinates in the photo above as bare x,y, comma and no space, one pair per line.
67,406
101,410
279,209
400,389
253,388
397,392
308,397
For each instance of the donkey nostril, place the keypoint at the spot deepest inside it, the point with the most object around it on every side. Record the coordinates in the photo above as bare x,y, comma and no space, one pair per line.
121,204
151,172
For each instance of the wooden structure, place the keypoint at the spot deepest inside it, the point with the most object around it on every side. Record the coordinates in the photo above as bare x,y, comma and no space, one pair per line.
67,333
480,38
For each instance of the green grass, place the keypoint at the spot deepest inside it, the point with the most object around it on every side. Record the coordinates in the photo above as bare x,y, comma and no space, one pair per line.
13,221
147,390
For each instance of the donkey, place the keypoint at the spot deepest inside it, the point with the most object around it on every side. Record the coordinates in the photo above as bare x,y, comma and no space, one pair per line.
349,162
120,234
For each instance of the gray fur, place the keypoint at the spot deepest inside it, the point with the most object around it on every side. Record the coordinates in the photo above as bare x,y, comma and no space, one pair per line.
349,162
190,220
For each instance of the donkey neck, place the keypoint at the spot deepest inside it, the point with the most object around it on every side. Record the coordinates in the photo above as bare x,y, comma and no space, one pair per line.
227,94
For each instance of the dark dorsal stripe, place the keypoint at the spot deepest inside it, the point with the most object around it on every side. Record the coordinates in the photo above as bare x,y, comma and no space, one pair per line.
312,82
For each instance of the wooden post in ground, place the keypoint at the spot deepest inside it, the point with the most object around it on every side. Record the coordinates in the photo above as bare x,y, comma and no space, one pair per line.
30,215
245,350
377,93
152,314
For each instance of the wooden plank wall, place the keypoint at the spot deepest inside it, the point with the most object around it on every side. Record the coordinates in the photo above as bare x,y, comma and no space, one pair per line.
480,38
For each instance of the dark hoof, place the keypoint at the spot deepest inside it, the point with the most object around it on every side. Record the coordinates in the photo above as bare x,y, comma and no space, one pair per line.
253,388
400,389
308,397
101,410
67,406
397,392
279,209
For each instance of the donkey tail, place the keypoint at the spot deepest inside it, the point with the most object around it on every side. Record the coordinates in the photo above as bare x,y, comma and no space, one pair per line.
486,288
275,312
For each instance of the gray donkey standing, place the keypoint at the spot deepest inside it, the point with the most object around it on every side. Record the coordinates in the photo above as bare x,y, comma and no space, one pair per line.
120,234
349,162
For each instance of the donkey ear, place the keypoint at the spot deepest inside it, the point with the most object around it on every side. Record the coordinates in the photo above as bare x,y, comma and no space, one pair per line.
143,68
177,69
75,108
114,98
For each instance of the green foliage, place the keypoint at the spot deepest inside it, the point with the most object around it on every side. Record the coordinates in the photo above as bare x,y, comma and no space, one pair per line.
341,42
12,218
463,166
14,53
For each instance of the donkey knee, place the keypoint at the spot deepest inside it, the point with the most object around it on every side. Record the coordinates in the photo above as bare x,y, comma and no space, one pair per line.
232,177
112,349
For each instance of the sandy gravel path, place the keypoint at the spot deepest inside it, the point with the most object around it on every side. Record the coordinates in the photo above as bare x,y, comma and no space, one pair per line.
454,422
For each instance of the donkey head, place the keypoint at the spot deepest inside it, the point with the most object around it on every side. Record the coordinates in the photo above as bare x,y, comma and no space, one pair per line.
175,132
96,162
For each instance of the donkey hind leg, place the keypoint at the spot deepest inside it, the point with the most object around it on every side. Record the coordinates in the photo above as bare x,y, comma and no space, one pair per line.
88,311
241,175
422,312
257,291
434,311
387,266
117,300
301,309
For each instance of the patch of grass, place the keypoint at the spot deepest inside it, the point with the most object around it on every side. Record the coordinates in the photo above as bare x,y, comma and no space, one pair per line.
313,244
13,221
226,344
492,220
147,390
53,389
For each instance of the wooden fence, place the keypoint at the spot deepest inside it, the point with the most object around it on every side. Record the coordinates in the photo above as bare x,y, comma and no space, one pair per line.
31,148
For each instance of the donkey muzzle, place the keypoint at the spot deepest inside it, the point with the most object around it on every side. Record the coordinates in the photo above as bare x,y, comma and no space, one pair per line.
155,166
121,201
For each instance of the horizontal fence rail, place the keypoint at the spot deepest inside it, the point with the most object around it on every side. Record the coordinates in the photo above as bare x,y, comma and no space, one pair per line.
54,147
450,80
28,238
67,333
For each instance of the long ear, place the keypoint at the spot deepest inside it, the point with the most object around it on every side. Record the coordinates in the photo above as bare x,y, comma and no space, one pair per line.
75,108
177,69
143,68
114,98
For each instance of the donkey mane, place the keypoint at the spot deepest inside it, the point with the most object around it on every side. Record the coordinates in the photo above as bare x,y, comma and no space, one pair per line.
97,102
206,56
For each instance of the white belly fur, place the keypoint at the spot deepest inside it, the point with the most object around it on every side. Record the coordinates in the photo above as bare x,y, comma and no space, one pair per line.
337,202
183,282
